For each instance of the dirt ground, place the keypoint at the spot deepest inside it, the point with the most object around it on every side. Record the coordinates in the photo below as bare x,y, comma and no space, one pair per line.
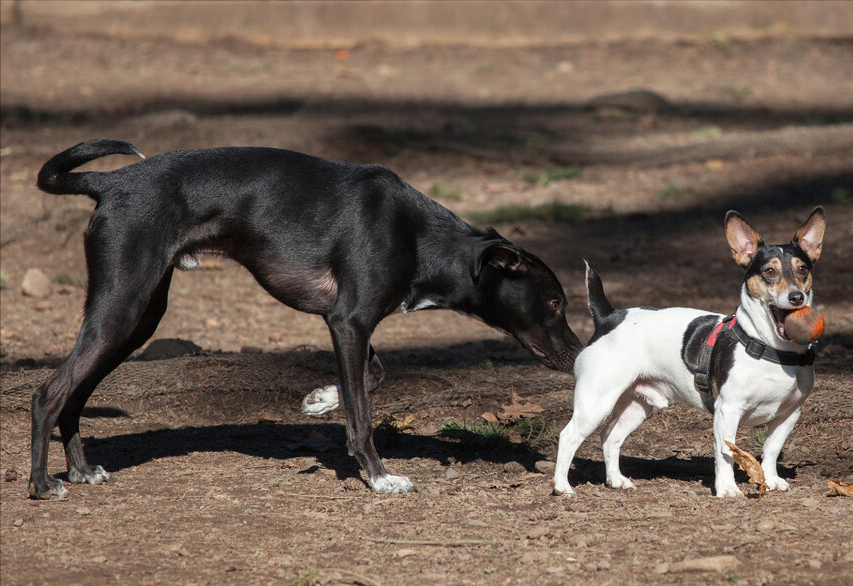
216,477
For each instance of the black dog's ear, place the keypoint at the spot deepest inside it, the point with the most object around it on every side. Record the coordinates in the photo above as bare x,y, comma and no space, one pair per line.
743,239
810,235
499,254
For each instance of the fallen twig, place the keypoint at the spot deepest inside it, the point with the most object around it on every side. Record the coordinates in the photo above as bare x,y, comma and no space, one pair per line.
439,543
359,579
321,496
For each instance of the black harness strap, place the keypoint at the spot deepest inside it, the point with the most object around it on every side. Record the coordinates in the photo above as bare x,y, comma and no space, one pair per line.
759,350
702,376
754,348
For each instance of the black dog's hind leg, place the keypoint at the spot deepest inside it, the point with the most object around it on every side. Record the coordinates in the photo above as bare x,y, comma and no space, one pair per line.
351,339
115,325
79,470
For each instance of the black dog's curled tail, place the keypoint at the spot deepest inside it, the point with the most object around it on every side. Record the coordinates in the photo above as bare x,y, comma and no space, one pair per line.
599,306
55,176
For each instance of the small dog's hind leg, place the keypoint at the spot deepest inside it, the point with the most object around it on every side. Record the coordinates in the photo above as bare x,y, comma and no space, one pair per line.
591,408
629,414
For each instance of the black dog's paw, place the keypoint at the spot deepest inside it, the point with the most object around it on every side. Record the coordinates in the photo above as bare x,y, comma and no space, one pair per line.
51,490
96,475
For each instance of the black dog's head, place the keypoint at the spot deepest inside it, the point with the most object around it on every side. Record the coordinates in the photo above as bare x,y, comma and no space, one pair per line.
517,293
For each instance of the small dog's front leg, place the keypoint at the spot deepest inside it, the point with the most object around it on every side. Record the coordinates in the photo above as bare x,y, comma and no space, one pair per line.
777,433
726,421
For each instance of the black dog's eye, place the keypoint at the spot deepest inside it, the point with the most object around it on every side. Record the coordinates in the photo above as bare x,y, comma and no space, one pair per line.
554,304
802,271
770,272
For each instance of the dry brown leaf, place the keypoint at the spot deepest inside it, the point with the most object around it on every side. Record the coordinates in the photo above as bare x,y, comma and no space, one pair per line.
269,418
750,465
400,424
518,408
842,488
490,417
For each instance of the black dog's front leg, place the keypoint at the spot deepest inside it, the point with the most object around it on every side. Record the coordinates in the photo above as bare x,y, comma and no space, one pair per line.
351,340
325,399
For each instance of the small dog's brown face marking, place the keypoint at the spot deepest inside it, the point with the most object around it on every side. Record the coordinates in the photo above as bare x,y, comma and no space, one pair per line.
778,276
802,273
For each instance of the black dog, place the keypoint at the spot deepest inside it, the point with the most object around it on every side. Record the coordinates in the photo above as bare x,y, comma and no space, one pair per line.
353,243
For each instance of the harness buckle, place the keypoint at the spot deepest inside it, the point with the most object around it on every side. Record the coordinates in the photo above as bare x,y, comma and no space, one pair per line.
702,382
755,348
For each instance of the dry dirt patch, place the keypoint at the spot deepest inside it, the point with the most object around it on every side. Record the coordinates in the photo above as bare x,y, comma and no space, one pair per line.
217,477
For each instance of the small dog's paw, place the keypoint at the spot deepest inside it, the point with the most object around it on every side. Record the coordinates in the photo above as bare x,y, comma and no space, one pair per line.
562,489
321,400
620,482
776,483
96,475
392,484
729,491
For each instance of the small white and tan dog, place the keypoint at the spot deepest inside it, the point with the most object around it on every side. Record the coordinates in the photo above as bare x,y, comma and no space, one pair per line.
750,371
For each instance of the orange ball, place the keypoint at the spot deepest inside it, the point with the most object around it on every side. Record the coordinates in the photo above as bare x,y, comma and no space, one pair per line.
804,325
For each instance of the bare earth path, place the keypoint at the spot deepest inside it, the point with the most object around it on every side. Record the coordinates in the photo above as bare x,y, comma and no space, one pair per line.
217,477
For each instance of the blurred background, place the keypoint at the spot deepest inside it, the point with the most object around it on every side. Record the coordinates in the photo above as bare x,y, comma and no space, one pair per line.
564,124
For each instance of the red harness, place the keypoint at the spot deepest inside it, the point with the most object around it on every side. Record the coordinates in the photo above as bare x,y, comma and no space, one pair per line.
702,376
754,348
712,339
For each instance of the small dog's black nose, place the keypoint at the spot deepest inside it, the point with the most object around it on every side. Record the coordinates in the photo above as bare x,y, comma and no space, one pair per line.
796,297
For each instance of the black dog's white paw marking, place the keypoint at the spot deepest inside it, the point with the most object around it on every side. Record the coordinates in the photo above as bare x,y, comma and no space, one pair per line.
61,493
392,484
189,262
96,475
321,400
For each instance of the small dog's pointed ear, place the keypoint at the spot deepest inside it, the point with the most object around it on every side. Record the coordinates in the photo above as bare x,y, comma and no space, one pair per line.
743,239
810,235
499,254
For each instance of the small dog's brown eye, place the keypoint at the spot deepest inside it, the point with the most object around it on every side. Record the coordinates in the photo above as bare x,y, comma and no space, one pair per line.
802,270
770,272
555,305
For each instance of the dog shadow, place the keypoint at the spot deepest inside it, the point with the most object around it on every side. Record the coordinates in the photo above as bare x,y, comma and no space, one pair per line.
325,442
696,468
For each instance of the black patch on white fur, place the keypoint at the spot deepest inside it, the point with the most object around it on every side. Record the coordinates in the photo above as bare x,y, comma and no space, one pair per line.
607,324
722,356
694,338
722,360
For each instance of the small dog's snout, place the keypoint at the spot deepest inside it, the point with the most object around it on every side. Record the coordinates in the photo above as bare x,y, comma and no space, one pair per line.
796,297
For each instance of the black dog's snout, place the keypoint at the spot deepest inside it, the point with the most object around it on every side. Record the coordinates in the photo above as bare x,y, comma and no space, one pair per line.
796,297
